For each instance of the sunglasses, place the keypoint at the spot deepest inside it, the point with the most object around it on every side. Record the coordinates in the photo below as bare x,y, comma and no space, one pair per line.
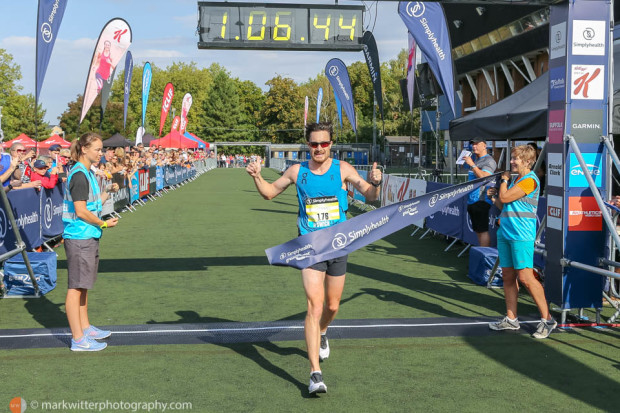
315,145
20,150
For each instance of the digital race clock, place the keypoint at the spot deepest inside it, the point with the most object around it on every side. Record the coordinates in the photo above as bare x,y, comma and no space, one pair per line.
224,25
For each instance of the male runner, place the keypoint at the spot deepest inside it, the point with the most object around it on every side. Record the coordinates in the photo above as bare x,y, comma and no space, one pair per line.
322,196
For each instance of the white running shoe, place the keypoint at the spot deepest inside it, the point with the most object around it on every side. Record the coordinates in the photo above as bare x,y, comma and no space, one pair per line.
316,383
505,324
324,348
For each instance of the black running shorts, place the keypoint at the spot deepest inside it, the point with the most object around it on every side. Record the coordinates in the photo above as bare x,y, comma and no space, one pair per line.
479,214
335,267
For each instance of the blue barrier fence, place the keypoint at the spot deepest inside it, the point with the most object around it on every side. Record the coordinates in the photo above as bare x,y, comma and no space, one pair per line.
454,220
38,213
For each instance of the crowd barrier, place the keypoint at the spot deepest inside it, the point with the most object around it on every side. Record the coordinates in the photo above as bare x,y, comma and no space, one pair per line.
38,213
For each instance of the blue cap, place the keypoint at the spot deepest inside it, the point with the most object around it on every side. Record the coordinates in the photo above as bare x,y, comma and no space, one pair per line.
39,164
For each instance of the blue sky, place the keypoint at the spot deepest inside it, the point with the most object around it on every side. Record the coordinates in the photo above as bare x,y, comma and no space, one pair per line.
164,32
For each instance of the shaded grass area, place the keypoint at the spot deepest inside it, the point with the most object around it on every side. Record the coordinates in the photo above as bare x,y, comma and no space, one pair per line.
197,255
571,372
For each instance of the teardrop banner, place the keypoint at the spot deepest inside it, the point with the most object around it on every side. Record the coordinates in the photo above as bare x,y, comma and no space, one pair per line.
166,104
113,42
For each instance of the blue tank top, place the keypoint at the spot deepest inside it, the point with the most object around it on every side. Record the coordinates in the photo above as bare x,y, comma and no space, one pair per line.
322,200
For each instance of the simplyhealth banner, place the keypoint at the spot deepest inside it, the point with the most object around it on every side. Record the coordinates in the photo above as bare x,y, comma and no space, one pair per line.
353,234
48,22
427,24
338,76
26,206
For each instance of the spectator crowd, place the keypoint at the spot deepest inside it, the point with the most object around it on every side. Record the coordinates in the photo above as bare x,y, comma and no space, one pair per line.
23,168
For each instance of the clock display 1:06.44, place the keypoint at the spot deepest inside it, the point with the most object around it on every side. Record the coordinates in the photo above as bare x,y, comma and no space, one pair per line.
287,26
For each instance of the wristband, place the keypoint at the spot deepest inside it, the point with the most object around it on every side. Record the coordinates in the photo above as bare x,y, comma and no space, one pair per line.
104,225
377,185
505,181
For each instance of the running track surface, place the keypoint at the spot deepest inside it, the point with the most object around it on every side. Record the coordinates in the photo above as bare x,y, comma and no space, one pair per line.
242,332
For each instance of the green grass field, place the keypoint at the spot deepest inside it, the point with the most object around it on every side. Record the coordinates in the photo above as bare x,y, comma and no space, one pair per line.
197,256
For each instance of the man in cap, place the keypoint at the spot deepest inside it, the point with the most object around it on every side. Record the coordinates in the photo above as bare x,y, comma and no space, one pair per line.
481,164
54,152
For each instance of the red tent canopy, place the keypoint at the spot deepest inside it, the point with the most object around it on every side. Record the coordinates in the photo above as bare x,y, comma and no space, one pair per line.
174,140
23,139
54,140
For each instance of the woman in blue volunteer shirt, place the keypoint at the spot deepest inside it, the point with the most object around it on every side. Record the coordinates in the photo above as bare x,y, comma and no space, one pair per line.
81,217
518,201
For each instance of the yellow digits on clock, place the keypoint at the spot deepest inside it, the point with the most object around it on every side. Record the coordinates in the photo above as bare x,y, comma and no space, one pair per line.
251,22
286,27
344,27
323,26
224,21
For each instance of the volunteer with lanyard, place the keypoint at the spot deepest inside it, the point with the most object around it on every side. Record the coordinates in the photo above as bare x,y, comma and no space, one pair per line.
81,217
518,201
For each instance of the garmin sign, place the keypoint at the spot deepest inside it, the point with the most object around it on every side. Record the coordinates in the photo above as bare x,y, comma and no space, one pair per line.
586,125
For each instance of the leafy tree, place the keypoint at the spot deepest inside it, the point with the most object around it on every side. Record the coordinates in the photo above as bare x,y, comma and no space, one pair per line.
10,74
251,100
221,110
282,113
398,119
70,119
18,114
18,117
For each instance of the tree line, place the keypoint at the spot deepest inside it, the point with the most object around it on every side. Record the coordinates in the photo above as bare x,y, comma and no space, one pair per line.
224,109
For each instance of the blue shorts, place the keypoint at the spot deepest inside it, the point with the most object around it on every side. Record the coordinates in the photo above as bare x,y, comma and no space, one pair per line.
515,254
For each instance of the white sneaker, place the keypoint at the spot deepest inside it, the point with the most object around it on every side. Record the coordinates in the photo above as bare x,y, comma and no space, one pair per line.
544,328
316,383
324,348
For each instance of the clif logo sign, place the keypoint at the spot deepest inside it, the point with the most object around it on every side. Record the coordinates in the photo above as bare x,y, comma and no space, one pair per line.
584,214
554,212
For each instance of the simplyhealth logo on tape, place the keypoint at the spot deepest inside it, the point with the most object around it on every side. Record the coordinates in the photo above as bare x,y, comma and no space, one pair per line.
348,236
340,240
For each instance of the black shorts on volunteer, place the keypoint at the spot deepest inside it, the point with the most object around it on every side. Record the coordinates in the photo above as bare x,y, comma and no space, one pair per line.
479,214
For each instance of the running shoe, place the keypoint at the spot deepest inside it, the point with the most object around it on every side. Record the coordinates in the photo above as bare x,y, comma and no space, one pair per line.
544,328
95,333
316,383
505,324
324,348
87,344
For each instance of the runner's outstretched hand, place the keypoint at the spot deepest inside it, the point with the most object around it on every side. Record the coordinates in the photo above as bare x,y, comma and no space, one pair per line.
253,168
